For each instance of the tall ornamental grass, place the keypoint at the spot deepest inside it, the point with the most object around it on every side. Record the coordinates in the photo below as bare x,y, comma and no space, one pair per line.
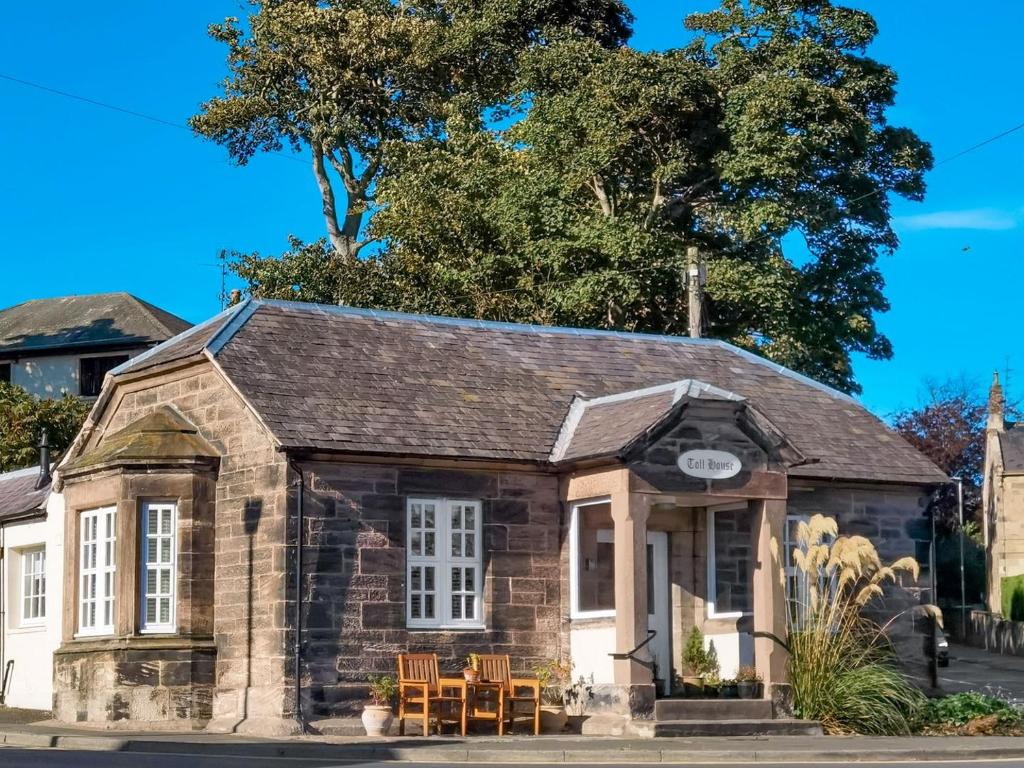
841,665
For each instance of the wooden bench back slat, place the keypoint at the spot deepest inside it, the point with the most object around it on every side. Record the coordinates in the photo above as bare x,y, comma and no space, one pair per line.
496,668
419,666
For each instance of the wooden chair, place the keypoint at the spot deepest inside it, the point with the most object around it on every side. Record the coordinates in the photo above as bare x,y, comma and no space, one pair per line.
421,685
515,691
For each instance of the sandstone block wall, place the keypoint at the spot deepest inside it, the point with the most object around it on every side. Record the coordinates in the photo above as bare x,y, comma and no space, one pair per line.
247,548
355,591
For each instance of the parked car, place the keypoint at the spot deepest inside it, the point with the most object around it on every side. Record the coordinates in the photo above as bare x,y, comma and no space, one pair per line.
941,647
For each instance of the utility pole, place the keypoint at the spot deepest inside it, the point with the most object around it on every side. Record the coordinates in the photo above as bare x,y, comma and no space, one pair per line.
695,279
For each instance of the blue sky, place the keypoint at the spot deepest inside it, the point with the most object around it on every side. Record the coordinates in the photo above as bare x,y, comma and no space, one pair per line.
92,200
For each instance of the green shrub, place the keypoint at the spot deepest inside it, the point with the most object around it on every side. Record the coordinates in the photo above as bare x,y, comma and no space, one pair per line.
1013,597
962,708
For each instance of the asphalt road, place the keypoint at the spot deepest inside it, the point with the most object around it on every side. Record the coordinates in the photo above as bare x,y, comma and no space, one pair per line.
58,758
974,669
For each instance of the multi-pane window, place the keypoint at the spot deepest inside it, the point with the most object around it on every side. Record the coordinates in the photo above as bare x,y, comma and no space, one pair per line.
92,370
158,566
445,586
33,585
5,373
98,538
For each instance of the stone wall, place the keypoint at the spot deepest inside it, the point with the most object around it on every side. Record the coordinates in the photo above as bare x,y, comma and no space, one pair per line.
895,522
355,591
1006,547
249,619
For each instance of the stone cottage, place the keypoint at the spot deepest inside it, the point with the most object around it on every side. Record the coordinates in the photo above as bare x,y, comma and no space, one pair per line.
462,486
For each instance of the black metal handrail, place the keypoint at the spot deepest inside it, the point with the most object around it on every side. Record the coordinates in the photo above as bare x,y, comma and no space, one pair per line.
631,655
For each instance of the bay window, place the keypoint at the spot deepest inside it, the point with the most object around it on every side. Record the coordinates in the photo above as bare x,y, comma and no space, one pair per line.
158,525
98,538
444,563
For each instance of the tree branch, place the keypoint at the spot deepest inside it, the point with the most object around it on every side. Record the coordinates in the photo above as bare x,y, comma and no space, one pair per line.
330,210
597,186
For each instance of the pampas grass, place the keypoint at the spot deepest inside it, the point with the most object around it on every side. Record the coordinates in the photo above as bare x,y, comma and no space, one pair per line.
841,666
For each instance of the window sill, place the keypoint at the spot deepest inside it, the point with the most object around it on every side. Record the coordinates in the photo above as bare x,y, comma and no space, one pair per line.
448,628
28,629
585,615
730,615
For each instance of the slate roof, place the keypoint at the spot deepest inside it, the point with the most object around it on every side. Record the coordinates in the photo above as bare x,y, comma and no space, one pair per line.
19,496
96,320
349,380
603,426
1011,444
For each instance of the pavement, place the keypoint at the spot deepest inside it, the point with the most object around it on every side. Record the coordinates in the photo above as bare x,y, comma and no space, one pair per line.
975,669
25,742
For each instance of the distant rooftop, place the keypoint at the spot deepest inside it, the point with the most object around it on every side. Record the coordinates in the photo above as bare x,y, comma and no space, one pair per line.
96,320
19,496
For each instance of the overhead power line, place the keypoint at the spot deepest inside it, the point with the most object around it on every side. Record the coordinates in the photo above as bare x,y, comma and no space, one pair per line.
181,126
115,108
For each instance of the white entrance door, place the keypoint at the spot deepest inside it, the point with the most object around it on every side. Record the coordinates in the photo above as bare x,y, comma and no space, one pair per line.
658,609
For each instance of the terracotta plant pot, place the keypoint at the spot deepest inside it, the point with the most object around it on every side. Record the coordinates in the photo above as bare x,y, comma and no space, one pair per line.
693,687
553,719
747,689
377,719
471,675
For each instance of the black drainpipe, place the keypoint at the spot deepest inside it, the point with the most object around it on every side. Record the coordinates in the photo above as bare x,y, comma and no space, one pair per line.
299,545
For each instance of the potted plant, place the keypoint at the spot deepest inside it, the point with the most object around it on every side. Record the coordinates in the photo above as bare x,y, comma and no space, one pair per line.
729,689
377,715
711,672
576,697
555,678
472,670
695,662
748,682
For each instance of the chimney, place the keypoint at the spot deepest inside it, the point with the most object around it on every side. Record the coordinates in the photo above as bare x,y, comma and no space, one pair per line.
44,461
996,405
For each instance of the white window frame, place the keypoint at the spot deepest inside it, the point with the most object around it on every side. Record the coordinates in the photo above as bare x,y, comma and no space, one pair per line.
443,561
171,538
712,579
29,556
574,561
102,568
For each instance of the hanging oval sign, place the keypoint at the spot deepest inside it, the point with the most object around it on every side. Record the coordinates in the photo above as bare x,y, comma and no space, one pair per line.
708,464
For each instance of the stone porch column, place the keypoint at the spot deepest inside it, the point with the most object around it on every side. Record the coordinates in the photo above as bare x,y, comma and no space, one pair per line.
629,514
769,520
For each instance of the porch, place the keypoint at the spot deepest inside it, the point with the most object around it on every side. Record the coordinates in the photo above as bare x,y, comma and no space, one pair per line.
690,560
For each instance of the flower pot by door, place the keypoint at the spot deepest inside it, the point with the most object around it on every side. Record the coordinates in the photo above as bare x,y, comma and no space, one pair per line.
747,689
553,719
693,687
377,720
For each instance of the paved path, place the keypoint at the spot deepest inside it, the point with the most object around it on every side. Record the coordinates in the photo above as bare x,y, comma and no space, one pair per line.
20,758
975,669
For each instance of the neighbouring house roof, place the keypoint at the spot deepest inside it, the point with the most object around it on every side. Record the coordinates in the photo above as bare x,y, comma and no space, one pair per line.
338,379
19,496
1011,445
97,320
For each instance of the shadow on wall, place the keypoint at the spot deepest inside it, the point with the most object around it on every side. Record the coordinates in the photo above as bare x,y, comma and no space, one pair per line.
251,515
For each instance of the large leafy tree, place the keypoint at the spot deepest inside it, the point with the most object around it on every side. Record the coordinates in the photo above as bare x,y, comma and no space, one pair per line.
567,188
23,419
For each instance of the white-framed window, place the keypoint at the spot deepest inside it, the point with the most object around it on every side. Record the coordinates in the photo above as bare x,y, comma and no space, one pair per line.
592,560
33,586
158,525
98,568
799,584
444,563
730,559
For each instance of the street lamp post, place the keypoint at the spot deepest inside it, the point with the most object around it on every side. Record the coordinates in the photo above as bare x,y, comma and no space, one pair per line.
963,581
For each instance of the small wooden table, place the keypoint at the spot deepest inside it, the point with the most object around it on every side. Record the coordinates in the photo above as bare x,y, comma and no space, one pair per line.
485,702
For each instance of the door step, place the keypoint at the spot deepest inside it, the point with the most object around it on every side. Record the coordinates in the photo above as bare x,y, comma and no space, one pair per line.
668,728
712,709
